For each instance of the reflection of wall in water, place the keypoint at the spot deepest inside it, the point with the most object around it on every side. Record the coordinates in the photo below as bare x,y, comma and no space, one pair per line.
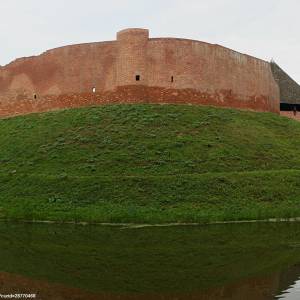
262,288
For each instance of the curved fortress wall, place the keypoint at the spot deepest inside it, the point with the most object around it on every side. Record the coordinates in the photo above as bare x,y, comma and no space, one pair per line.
136,69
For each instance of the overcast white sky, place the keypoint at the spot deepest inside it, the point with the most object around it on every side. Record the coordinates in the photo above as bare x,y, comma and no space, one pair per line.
262,28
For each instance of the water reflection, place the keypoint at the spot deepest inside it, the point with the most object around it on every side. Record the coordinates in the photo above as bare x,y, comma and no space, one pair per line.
255,288
256,261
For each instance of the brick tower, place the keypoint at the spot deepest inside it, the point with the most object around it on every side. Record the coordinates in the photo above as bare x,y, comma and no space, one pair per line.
131,68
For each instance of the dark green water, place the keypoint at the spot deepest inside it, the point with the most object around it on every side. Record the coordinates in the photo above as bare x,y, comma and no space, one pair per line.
245,261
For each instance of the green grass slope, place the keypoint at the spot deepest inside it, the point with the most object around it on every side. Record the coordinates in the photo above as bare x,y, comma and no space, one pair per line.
149,163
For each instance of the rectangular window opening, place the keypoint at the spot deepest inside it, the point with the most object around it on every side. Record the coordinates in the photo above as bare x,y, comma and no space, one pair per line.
137,77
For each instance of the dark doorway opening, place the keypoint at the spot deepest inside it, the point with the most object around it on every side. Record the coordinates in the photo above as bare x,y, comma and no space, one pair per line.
289,107
34,96
137,77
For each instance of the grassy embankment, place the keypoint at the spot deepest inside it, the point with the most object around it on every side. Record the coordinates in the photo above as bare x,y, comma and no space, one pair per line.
149,164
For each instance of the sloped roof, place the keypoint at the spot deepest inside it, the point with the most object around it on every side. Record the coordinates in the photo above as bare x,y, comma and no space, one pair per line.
289,88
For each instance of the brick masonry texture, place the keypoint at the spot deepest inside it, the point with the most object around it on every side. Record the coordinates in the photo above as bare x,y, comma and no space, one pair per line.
290,114
137,69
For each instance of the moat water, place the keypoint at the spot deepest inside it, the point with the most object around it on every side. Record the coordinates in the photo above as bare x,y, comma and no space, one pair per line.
245,261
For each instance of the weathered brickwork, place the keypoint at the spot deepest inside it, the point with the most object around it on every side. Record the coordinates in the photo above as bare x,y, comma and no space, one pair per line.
135,68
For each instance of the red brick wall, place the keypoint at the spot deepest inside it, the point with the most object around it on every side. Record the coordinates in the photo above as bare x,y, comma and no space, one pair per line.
71,69
202,74
211,69
290,114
